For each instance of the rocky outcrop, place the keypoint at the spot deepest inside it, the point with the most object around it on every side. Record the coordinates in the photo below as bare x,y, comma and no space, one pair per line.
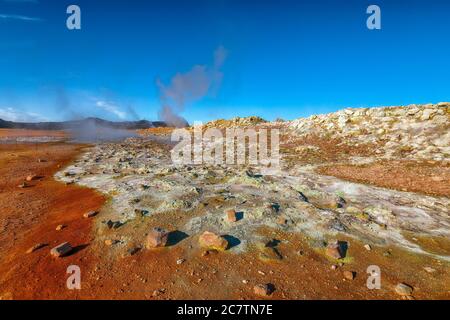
412,132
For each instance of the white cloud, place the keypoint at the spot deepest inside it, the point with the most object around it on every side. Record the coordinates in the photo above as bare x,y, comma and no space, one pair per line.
11,114
111,108
19,17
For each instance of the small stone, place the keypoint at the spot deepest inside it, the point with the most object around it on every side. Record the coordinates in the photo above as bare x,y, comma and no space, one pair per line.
404,289
333,267
32,177
429,269
110,242
23,185
282,220
333,251
61,250
90,214
213,241
367,247
231,215
349,275
157,238
263,290
36,247
133,251
270,254
60,227
245,281
180,261
209,252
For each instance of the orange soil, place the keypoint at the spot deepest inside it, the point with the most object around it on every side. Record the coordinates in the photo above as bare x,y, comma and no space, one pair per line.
14,133
429,177
30,215
156,131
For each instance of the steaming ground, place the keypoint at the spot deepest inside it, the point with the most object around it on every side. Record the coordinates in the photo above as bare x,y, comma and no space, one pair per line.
392,210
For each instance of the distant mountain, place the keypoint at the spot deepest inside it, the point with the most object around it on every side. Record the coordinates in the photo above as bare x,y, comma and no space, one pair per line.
74,124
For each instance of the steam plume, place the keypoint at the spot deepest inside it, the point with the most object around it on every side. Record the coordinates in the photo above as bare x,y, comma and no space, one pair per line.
186,88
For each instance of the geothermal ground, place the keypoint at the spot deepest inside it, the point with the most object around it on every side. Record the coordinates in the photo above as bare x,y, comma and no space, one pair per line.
356,188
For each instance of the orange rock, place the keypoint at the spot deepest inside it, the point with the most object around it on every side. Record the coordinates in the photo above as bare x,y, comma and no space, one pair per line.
61,250
231,215
157,238
213,241
263,290
90,214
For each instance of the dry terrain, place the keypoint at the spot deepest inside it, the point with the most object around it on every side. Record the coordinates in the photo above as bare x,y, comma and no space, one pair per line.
376,181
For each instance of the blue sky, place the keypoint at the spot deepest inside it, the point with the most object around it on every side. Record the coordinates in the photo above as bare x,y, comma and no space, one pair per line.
283,58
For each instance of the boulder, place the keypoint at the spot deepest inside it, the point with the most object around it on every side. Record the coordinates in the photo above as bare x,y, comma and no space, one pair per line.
263,290
157,238
211,240
61,250
333,250
90,214
231,215
403,289
349,275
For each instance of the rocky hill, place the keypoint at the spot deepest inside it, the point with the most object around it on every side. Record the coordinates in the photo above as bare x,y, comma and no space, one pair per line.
412,132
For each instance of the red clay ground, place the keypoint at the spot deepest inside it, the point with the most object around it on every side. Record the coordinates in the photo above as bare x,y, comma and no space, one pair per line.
30,215
13,133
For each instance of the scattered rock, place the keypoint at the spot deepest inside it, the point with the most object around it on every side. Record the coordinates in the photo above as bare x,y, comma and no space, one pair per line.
367,247
270,254
213,241
133,251
263,290
429,269
231,215
90,214
349,275
23,185
209,252
333,250
60,227
180,261
404,289
113,224
61,250
333,267
36,247
110,242
282,220
157,238
32,177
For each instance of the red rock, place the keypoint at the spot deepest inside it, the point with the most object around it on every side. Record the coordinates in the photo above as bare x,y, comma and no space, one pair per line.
61,250
157,238
36,247
32,177
231,215
263,290
60,227
349,275
282,220
213,241
90,214
333,251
